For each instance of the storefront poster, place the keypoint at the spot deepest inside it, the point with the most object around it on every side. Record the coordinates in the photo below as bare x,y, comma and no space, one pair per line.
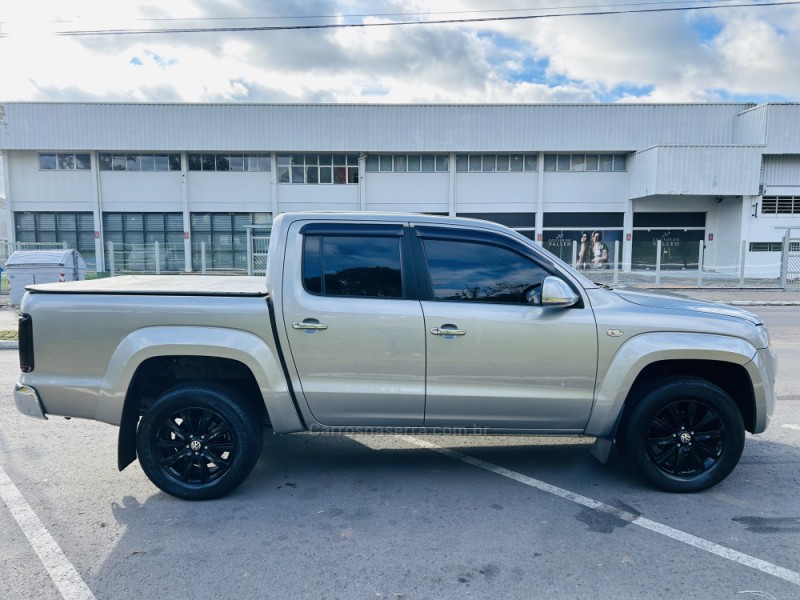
594,248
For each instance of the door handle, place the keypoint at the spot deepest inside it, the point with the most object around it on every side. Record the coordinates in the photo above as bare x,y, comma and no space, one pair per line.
444,331
312,326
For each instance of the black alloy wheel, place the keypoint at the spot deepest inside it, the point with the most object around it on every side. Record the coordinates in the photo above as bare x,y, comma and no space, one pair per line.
686,438
196,445
199,441
685,435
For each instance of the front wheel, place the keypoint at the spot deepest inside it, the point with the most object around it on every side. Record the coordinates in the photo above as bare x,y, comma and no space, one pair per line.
686,435
198,441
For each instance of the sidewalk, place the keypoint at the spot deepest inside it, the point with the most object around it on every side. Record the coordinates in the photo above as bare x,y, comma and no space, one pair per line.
8,318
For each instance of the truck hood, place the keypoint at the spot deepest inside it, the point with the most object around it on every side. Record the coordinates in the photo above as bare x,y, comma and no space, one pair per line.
676,302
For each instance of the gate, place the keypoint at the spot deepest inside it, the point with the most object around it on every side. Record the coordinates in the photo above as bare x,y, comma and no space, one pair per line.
793,263
259,255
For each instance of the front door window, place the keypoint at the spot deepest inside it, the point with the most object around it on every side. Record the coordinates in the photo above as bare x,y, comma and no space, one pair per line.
476,272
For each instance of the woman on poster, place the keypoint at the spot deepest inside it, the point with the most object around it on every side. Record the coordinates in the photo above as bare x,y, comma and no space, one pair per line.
599,251
584,253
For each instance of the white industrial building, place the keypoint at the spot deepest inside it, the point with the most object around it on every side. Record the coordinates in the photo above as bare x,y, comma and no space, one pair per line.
724,177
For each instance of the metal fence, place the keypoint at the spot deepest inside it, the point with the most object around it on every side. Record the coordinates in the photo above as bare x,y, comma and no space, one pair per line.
695,265
160,258
8,248
792,269
144,258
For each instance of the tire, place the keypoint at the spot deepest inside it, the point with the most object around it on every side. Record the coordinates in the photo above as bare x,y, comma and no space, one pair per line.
198,441
685,435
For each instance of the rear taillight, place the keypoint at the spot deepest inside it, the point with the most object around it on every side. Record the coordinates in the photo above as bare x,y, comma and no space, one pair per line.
25,343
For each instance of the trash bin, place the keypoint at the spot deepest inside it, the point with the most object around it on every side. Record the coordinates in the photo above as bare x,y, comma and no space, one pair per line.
26,267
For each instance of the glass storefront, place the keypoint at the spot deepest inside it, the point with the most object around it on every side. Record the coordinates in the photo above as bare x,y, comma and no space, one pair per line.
680,235
680,249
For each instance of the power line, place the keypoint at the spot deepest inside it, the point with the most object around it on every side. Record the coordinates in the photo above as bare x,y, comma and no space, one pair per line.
108,32
395,14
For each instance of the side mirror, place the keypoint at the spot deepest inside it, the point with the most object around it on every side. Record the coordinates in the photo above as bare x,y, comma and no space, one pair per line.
556,292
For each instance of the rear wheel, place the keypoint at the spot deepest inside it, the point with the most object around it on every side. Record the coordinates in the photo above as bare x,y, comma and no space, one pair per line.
686,435
198,441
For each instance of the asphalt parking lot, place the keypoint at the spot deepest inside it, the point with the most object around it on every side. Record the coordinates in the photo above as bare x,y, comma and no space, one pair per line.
399,517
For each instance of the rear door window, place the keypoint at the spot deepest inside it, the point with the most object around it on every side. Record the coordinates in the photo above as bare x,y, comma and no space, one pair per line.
362,266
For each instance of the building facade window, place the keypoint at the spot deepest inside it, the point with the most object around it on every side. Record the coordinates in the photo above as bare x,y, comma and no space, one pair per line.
65,161
766,246
780,205
408,163
76,229
318,168
237,163
134,234
139,162
225,238
586,162
496,163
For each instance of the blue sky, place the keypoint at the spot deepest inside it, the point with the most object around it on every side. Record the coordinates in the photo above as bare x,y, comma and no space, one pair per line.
734,54
706,26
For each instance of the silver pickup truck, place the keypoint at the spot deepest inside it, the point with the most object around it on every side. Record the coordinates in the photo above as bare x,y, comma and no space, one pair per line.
394,323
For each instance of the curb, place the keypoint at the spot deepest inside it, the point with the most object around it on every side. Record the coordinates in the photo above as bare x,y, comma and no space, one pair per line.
757,302
8,345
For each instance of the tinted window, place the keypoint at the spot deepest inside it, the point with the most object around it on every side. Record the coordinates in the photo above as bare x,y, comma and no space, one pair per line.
479,272
82,161
352,266
47,161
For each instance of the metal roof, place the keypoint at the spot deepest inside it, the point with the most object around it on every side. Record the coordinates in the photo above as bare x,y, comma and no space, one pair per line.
383,128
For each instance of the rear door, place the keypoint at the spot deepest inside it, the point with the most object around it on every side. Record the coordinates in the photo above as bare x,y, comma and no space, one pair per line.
355,331
494,360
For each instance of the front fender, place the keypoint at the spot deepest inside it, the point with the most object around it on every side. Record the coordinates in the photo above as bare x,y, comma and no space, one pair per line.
241,346
646,349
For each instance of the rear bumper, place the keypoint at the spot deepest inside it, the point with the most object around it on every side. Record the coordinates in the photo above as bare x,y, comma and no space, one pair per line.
27,401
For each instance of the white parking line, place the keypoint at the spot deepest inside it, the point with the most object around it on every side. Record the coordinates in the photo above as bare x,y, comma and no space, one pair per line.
791,426
61,571
675,534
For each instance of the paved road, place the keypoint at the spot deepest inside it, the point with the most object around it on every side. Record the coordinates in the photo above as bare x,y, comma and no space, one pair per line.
382,517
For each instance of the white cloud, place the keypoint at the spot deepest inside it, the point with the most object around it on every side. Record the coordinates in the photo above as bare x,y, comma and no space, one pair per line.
760,55
743,54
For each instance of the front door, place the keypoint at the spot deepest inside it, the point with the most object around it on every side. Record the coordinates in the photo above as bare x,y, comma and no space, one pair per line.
495,360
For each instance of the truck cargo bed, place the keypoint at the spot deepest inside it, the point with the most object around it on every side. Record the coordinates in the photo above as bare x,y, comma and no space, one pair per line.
168,285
